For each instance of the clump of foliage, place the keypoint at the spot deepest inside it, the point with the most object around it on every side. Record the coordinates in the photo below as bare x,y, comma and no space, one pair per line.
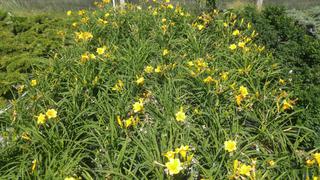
309,18
158,93
298,52
3,15
27,43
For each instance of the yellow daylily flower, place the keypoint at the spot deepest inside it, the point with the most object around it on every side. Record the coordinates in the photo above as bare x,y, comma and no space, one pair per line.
118,86
183,151
148,69
245,169
236,32
119,121
233,46
169,154
230,145
33,82
241,44
101,50
69,13
34,165
174,166
41,119
51,113
209,80
158,69
243,91
138,106
129,122
310,162
69,178
317,158
140,80
180,115
165,52
286,105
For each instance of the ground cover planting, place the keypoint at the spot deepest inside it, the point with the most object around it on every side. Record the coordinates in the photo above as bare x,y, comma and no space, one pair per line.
153,91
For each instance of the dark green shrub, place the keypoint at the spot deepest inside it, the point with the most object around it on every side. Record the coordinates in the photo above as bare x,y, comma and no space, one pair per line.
3,15
27,43
20,24
297,51
212,3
